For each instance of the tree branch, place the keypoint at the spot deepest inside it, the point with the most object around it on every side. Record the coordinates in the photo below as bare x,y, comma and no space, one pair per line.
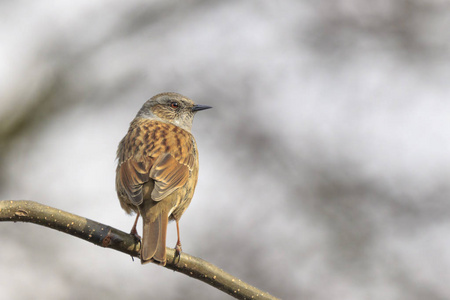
109,237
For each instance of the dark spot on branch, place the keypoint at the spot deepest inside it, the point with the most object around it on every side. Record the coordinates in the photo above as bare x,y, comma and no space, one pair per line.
21,213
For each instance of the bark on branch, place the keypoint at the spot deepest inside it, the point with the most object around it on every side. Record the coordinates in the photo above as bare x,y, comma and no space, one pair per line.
109,237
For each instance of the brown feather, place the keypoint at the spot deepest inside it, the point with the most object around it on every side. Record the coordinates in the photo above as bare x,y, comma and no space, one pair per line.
170,169
154,237
168,174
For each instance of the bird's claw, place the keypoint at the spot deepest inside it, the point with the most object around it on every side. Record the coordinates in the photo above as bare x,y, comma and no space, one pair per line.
178,250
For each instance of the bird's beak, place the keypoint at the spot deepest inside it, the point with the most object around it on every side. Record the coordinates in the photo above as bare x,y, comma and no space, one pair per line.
199,107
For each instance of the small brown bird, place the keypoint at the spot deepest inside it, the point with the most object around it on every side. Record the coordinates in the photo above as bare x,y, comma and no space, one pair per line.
157,169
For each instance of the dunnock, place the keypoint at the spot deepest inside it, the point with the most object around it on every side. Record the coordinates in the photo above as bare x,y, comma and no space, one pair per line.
158,168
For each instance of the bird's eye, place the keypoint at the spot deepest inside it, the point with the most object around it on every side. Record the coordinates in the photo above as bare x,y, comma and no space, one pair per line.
174,104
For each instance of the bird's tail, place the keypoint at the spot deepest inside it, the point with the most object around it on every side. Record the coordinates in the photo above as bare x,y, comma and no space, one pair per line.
153,243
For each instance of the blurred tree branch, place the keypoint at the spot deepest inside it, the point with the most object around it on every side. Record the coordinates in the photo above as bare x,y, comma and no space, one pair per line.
109,237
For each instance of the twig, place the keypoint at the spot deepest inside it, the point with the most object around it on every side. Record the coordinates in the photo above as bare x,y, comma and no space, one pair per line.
109,237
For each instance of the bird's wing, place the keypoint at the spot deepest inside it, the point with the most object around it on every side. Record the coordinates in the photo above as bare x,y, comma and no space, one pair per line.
169,175
133,174
174,162
167,156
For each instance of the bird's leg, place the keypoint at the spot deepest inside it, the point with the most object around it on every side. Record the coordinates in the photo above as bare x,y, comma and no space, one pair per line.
178,246
133,229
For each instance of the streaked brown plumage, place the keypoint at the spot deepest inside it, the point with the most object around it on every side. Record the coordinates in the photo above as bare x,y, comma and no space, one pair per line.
158,168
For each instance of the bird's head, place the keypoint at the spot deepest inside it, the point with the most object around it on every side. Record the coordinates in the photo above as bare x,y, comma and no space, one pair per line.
171,108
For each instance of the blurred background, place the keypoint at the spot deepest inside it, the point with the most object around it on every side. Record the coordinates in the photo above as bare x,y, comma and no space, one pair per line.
324,165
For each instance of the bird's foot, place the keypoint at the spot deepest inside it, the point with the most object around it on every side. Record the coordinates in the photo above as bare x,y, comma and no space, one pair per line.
134,233
178,249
